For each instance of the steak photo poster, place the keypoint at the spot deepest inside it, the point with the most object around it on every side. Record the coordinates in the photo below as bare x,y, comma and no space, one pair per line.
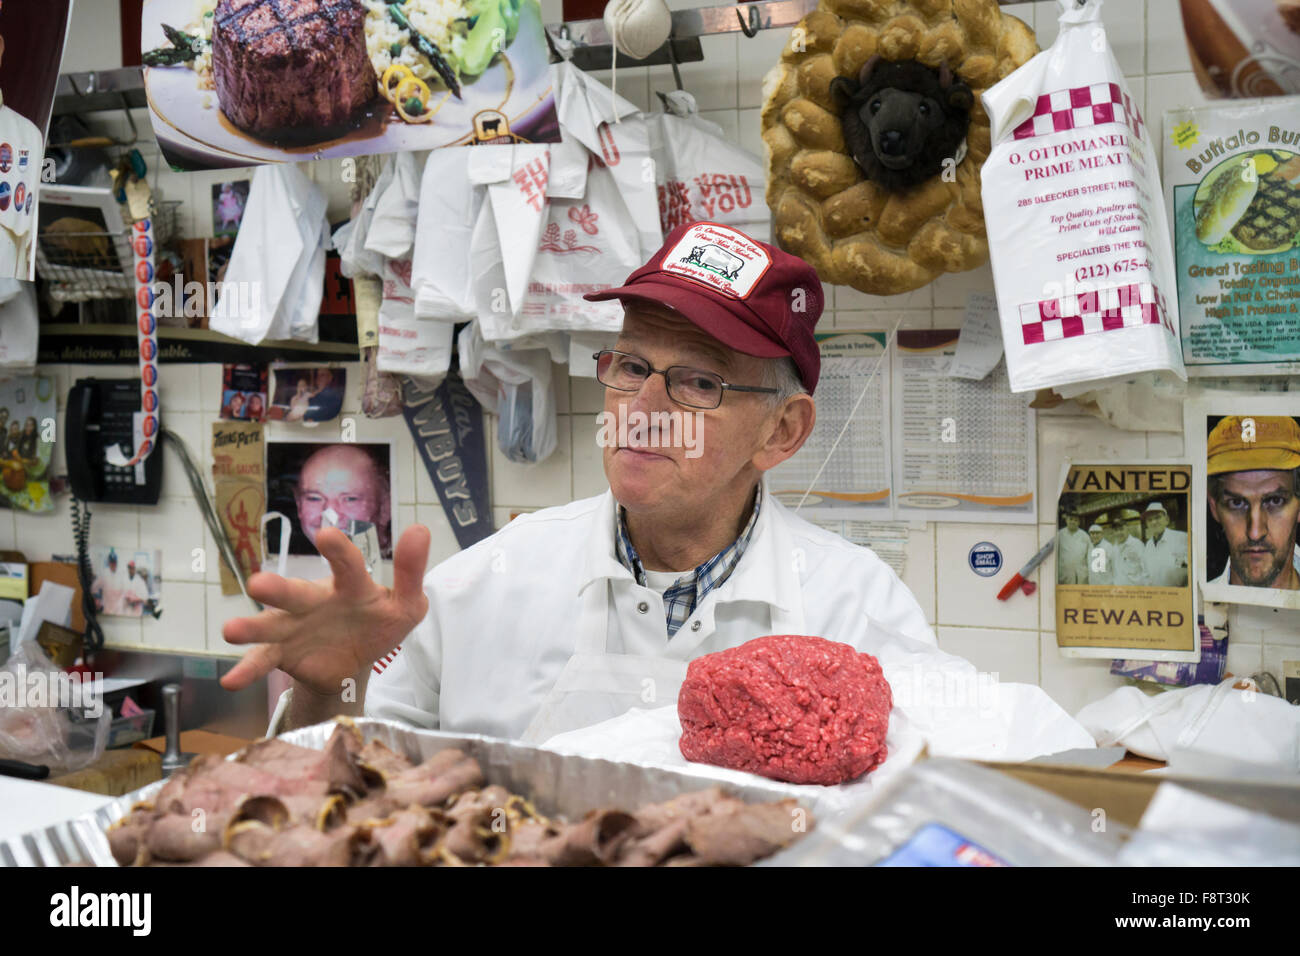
238,82
1124,562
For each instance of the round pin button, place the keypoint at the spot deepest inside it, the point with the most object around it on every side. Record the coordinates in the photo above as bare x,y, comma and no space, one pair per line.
643,607
695,625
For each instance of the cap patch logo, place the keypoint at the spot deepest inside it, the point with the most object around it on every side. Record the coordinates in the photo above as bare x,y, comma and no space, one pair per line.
719,257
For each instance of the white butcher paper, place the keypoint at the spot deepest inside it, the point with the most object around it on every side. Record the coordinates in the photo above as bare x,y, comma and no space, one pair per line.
942,704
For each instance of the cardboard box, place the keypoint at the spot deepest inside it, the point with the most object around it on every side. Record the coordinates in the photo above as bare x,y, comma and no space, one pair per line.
197,742
1124,795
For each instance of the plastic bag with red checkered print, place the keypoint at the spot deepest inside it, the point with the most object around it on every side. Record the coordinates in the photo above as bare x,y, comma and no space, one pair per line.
1078,233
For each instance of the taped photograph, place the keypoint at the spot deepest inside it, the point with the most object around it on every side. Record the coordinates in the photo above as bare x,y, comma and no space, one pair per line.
27,415
307,394
1124,562
1248,480
126,583
346,485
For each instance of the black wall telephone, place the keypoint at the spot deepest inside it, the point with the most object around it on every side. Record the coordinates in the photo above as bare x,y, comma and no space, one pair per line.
101,413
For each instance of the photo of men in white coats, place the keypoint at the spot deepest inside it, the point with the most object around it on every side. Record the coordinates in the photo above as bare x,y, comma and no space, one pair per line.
1132,545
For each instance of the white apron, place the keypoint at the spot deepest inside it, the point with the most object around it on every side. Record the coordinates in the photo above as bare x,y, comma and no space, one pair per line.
596,685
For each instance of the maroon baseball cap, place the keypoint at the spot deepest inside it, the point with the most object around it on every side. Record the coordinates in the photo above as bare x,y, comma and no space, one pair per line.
750,296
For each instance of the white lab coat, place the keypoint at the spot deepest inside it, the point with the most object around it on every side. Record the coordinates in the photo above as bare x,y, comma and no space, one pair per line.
1072,549
1130,568
1166,559
543,611
18,218
1101,566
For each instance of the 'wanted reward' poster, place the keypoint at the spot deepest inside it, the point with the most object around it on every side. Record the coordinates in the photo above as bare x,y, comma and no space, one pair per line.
1124,562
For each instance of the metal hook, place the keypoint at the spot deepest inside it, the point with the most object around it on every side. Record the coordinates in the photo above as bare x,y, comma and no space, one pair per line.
677,75
672,58
755,23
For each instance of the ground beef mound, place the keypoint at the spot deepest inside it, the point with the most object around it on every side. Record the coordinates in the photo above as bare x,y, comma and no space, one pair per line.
789,707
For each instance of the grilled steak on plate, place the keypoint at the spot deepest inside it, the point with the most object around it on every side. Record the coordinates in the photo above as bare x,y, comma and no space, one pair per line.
292,70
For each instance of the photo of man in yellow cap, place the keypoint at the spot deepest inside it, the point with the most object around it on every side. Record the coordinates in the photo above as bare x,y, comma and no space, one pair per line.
1253,487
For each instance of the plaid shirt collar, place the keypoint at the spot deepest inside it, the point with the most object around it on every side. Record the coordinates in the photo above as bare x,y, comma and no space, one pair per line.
686,593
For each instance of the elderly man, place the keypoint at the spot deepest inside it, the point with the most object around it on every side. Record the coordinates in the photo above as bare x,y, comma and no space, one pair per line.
339,485
1130,568
1166,549
572,615
1072,547
1253,485
1104,553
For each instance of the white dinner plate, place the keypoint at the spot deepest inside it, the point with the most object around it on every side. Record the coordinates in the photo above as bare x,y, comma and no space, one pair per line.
189,120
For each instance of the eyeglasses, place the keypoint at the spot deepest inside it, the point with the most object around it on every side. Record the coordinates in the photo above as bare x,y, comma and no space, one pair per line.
692,387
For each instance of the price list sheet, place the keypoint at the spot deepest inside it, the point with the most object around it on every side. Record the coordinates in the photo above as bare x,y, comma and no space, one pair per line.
963,450
857,475
888,539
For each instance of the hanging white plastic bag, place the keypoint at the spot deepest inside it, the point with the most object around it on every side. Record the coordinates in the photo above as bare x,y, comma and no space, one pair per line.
392,227
275,280
449,206
503,245
515,385
1077,229
704,177
589,244
409,345
350,241
615,133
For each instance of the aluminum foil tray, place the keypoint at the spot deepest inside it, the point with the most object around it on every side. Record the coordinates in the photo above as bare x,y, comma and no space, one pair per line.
559,784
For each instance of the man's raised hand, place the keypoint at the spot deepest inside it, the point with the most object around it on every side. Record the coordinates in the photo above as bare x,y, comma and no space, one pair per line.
322,632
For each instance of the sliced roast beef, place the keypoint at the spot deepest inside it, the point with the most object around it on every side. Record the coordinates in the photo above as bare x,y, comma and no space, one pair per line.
175,837
593,841
740,834
351,804
444,775
375,754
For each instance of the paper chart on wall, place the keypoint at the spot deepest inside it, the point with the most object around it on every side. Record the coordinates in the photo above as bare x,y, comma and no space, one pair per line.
963,450
888,539
856,476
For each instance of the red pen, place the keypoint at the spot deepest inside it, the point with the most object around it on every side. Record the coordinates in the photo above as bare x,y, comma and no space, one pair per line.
1019,577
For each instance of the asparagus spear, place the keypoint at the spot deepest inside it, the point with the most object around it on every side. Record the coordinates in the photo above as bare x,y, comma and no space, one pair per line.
183,49
428,48
166,56
182,40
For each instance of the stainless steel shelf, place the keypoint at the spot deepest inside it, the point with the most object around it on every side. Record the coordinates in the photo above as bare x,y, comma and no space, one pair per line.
99,90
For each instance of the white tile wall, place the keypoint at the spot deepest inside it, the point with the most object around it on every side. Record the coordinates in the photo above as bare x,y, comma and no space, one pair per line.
1015,638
